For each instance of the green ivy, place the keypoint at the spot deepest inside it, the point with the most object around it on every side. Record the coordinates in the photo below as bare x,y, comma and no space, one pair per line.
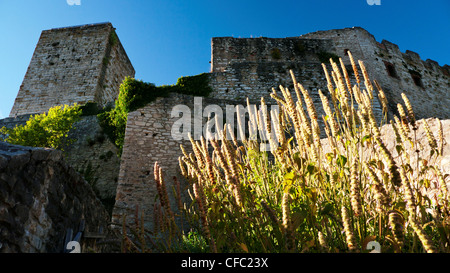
325,57
135,94
113,39
276,53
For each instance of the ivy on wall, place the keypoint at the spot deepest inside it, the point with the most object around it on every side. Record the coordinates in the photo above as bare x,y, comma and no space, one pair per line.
135,94
325,57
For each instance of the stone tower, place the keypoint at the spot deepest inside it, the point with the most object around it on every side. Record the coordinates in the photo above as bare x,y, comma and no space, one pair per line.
70,65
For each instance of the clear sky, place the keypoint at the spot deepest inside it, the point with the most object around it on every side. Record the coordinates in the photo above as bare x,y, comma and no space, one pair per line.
167,39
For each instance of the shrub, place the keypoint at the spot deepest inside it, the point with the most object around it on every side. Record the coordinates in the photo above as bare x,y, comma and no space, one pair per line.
45,130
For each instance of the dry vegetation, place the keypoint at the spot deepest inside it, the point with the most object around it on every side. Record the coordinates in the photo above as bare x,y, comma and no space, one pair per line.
308,195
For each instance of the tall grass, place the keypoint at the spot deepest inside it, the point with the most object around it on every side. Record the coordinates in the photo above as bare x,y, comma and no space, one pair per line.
311,195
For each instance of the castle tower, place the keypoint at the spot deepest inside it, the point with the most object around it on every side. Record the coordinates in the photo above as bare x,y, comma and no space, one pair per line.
70,65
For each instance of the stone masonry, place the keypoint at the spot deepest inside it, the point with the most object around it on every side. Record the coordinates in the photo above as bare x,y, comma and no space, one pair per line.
250,67
73,65
41,197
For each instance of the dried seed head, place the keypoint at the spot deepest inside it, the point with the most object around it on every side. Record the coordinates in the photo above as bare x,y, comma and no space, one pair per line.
355,194
286,211
380,192
397,223
382,97
349,235
424,238
409,195
322,241
355,68
409,108
346,77
329,83
182,168
401,130
393,169
334,127
294,80
431,140
441,138
367,82
403,118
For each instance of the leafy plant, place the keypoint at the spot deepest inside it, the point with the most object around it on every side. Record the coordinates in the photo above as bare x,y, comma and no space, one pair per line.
135,94
45,130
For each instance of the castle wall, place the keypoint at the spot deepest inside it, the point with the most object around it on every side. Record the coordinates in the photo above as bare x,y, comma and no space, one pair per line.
426,83
149,139
116,67
251,67
72,65
245,67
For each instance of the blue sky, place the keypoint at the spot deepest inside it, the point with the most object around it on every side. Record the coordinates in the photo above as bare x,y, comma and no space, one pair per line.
167,39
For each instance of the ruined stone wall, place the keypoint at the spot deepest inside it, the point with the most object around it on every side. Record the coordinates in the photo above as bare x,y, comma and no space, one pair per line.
426,83
245,67
251,67
41,197
73,65
116,67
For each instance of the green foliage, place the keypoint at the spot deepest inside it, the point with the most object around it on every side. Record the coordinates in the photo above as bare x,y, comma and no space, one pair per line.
113,38
276,53
135,94
193,242
299,48
45,130
90,109
193,85
325,57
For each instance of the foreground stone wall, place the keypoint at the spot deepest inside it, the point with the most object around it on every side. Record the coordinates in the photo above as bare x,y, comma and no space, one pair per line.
41,197
90,152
